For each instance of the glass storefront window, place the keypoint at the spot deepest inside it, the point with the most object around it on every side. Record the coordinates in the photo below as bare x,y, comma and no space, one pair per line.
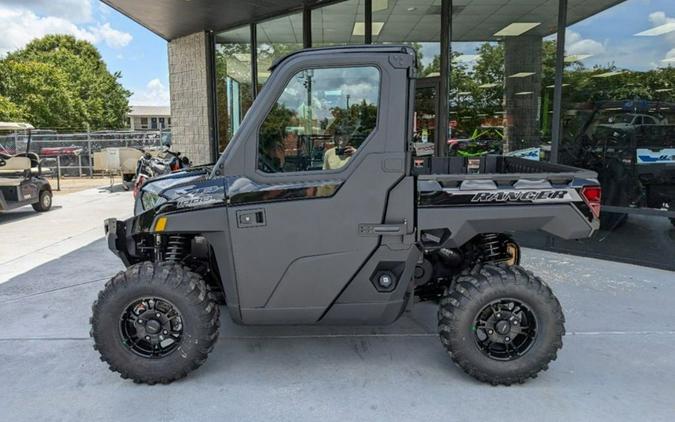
619,106
416,23
501,85
277,38
336,24
233,81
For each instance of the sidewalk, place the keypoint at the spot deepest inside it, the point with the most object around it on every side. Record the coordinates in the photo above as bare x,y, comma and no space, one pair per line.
29,239
616,364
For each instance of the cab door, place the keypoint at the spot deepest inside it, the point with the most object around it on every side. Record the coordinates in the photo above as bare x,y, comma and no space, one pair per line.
322,147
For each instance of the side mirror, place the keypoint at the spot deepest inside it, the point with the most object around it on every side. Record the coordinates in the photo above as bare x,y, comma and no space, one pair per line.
3,163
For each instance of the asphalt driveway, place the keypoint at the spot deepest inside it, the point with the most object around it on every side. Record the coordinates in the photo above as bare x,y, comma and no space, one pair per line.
617,362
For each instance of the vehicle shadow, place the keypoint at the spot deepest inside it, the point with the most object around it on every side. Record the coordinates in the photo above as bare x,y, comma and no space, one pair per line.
22,214
54,300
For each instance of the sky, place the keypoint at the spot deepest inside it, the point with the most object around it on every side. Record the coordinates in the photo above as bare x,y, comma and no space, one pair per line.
141,56
125,46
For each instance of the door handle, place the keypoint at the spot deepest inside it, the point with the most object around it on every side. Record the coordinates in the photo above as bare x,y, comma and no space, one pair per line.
392,229
251,218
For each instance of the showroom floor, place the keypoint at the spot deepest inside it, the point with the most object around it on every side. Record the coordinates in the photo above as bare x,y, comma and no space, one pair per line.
617,363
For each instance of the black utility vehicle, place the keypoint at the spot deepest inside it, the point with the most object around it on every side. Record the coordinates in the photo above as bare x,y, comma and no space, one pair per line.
317,213
21,179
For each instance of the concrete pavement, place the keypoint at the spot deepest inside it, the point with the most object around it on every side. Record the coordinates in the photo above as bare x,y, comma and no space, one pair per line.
29,239
617,362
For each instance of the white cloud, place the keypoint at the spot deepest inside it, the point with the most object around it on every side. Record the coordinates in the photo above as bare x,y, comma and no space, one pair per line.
20,26
154,93
72,10
575,44
658,19
112,37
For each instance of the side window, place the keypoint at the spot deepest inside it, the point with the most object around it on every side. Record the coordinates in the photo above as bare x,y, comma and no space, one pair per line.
320,120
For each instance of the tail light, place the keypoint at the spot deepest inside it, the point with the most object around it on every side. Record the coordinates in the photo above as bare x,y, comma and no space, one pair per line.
592,196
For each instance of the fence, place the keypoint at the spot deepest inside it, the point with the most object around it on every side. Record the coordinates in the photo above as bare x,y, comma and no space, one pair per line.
72,154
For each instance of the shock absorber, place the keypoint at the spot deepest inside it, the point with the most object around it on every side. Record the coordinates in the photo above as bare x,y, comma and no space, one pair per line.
491,247
176,248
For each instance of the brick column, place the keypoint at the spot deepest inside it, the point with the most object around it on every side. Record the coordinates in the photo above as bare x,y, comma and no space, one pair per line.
522,54
189,98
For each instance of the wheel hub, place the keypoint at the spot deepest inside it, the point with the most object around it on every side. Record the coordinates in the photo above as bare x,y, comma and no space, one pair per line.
151,327
505,329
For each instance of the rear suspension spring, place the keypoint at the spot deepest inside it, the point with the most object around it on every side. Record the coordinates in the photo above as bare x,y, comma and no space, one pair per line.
491,246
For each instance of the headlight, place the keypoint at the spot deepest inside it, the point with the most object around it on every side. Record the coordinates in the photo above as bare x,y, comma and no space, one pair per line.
151,200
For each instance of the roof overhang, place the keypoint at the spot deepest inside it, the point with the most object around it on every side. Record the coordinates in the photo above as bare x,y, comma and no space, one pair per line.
172,19
473,20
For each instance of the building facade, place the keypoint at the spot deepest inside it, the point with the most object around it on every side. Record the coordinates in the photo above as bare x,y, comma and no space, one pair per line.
585,83
149,118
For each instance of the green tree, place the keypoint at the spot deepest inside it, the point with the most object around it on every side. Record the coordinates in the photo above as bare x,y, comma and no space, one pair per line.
92,96
10,111
42,92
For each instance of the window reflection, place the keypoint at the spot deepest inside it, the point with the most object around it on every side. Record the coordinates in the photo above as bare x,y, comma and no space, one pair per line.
618,108
320,120
277,38
233,81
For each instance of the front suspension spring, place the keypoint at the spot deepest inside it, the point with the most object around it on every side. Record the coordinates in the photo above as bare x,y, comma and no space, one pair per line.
176,248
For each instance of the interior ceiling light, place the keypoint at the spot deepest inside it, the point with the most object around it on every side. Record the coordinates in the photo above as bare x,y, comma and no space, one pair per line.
524,93
516,28
360,28
380,5
466,58
576,58
606,74
491,85
657,30
522,74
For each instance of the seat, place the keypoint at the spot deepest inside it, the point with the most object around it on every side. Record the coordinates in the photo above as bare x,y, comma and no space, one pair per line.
15,165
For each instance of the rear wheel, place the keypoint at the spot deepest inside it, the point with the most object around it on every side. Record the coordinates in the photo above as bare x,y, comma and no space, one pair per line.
45,201
154,323
501,324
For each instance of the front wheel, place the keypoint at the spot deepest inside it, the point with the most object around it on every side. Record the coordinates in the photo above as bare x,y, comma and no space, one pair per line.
154,323
44,202
501,324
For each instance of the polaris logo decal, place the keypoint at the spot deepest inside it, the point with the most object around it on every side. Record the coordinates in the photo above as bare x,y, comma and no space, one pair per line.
522,196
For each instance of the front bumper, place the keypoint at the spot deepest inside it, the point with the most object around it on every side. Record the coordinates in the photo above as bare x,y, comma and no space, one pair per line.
117,237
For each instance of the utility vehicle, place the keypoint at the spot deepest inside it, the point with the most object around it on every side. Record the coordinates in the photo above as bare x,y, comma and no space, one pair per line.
21,179
355,236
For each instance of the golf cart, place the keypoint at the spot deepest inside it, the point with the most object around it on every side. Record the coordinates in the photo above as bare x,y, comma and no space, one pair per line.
21,180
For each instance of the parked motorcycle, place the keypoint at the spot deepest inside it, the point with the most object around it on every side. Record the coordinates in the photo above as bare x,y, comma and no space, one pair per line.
150,166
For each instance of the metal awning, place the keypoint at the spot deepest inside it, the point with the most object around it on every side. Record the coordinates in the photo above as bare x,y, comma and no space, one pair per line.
473,20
